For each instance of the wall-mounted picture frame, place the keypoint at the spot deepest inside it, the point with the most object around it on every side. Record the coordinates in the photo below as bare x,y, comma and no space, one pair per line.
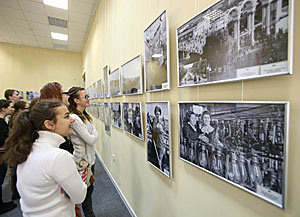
21,94
107,117
132,119
235,40
116,114
115,83
131,76
158,135
157,54
243,143
32,94
106,92
101,111
95,90
100,88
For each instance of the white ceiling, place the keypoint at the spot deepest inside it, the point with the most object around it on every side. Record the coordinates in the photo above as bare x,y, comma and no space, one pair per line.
25,22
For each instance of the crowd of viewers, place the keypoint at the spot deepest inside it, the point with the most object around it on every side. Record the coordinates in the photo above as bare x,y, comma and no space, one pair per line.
47,150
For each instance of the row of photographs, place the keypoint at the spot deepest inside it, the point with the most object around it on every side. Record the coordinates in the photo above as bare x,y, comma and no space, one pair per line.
228,41
29,95
243,143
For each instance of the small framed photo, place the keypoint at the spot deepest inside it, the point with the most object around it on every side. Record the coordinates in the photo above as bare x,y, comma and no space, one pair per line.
131,76
115,83
116,115
101,111
157,55
107,117
132,119
158,136
106,87
99,88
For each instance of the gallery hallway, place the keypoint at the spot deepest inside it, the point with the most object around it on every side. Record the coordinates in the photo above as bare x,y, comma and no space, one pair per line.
106,200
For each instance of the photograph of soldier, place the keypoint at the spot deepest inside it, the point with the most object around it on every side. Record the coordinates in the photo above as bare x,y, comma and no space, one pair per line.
132,119
234,40
116,115
158,136
131,76
242,143
156,54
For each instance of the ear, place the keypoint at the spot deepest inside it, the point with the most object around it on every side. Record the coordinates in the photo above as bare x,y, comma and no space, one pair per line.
76,100
49,125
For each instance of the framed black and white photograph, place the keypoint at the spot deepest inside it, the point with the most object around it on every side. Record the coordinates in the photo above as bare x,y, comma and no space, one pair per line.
115,83
157,55
107,117
100,88
243,143
95,90
32,94
106,87
116,114
131,76
132,119
158,136
101,111
235,40
21,94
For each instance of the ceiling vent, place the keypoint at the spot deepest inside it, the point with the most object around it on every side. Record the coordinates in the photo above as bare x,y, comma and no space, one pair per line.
58,22
60,46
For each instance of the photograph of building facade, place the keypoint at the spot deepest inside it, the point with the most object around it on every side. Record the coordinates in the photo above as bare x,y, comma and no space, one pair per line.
233,40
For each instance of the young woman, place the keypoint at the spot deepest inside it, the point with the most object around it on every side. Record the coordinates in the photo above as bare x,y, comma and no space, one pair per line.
19,106
84,137
54,90
48,181
6,108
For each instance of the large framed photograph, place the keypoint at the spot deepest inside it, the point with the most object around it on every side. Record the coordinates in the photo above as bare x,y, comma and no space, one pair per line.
32,94
115,83
243,143
235,40
107,117
106,87
132,119
116,115
131,76
158,136
157,55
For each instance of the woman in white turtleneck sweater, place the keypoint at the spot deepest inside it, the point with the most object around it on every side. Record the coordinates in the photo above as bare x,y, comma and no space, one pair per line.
83,137
48,181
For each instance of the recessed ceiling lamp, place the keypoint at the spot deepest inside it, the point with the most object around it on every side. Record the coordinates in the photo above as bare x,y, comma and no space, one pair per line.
63,4
59,36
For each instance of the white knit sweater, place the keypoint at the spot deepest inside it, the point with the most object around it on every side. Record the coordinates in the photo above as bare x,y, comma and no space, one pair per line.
83,134
44,174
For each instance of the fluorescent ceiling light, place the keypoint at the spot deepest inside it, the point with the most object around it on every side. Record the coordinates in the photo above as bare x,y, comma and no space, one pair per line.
63,4
59,36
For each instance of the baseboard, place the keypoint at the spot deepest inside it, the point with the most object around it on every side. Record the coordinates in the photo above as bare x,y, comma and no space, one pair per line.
130,210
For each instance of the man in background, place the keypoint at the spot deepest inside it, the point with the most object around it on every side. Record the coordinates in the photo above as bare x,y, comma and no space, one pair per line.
12,95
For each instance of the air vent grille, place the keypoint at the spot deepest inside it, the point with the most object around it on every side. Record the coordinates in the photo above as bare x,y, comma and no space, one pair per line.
60,46
58,22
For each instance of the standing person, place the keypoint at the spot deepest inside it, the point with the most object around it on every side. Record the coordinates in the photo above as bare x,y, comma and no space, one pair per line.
6,108
48,181
19,106
84,137
158,130
54,90
11,94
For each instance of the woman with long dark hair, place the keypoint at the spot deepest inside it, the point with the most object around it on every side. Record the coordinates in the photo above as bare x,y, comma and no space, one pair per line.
84,137
6,108
48,181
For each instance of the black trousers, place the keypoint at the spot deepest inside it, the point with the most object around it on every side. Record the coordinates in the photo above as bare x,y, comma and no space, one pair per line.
87,205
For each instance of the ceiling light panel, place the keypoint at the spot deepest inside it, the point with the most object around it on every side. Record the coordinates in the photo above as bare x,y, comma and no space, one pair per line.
62,4
59,36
